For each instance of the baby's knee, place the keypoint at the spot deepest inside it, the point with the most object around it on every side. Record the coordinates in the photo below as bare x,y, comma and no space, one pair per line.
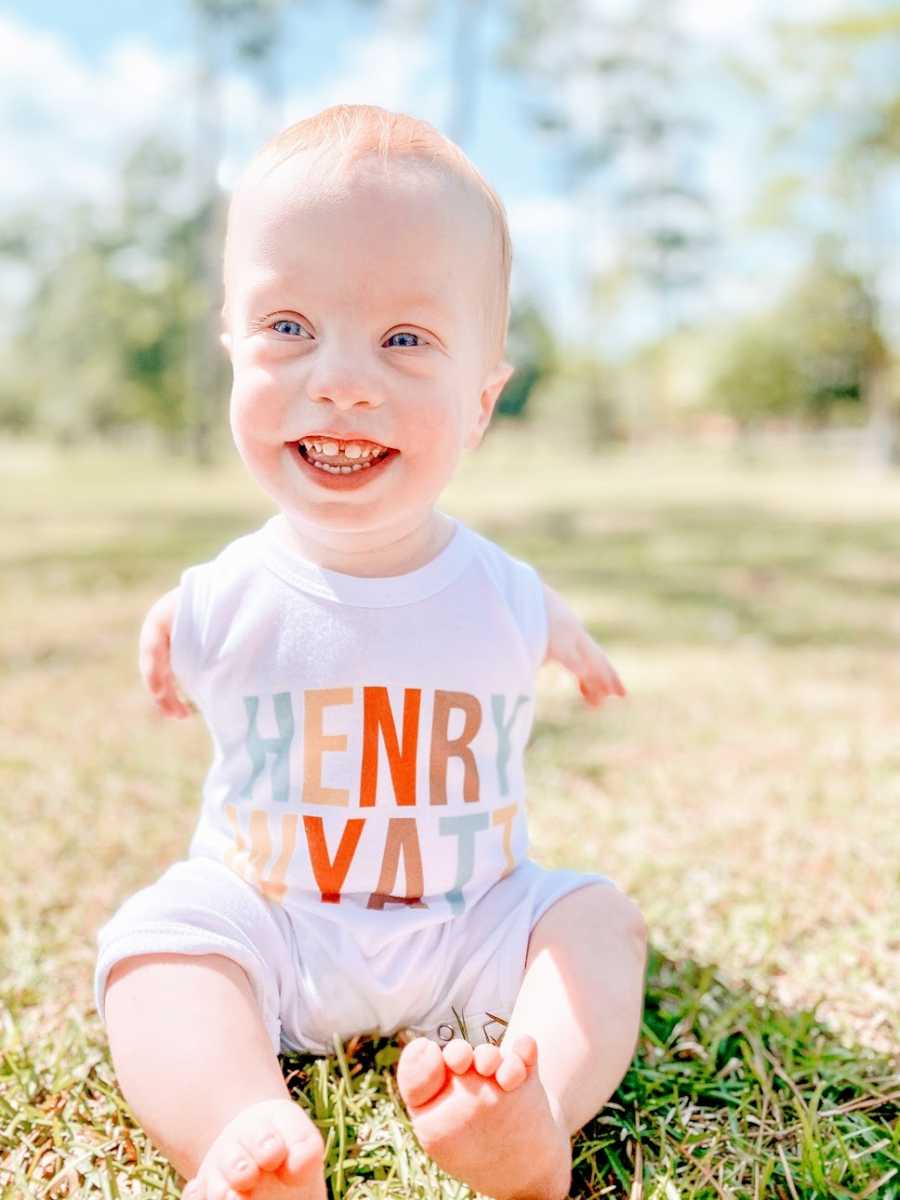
636,921
163,979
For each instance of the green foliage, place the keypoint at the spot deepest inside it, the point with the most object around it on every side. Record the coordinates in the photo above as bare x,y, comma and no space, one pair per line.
614,99
103,338
810,357
531,348
578,404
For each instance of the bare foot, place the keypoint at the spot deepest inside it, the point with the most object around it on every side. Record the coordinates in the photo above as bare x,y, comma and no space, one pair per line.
270,1151
485,1118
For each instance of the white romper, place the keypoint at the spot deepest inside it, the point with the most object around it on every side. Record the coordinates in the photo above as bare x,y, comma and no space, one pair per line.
362,845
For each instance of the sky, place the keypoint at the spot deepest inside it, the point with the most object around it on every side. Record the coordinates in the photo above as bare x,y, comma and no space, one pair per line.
80,83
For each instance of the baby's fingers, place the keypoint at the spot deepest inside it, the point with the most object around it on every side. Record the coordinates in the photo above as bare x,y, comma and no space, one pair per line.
168,701
598,677
156,672
160,683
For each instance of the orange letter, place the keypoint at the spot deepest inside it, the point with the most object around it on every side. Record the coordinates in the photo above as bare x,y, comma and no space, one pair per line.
315,741
401,833
505,817
250,862
377,715
442,747
330,875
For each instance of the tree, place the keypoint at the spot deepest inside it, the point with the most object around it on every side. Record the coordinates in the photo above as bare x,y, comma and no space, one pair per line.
612,92
845,93
102,339
531,347
811,356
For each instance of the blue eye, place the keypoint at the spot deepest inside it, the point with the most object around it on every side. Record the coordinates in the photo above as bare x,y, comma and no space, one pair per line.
404,333
285,321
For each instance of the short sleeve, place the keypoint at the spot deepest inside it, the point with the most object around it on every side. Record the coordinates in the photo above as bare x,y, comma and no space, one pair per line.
531,611
186,647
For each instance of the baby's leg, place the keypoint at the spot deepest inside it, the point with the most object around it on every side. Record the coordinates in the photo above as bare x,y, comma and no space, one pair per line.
501,1118
192,1055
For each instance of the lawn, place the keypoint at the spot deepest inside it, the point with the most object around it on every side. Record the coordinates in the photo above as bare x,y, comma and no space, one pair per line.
745,794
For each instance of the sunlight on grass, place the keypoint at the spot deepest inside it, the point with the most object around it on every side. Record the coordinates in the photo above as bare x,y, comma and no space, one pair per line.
745,793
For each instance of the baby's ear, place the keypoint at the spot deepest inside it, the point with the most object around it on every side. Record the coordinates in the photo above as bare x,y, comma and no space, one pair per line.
495,381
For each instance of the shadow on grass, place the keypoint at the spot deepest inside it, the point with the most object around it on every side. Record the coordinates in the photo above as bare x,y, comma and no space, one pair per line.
728,1096
689,567
143,545
692,564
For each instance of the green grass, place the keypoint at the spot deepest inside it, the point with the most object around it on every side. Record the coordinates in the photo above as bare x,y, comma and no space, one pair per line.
746,794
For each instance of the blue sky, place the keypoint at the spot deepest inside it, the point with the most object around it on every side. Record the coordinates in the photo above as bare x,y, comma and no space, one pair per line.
80,82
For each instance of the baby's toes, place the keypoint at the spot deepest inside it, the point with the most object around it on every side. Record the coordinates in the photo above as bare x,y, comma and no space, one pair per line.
216,1187
265,1143
512,1072
487,1058
458,1056
237,1164
305,1148
526,1048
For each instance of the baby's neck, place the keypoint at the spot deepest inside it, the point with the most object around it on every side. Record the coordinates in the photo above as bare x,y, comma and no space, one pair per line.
394,553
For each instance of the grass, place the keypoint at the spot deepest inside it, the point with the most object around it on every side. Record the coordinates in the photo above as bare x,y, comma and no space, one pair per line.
746,794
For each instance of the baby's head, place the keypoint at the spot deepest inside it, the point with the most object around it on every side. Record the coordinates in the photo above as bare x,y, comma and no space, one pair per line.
366,275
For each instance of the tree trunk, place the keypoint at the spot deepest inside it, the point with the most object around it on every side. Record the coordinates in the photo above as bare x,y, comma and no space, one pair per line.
202,348
882,441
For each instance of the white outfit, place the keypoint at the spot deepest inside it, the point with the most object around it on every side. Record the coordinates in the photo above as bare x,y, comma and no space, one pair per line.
362,842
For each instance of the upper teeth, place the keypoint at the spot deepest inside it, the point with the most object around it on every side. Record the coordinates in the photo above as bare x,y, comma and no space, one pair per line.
350,449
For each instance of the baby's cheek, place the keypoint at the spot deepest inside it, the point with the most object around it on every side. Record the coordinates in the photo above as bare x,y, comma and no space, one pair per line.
258,405
439,415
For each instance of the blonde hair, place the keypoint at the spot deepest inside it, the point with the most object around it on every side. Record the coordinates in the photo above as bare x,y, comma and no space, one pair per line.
338,136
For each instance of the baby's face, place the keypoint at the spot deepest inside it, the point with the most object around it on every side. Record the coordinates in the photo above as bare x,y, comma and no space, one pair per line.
358,316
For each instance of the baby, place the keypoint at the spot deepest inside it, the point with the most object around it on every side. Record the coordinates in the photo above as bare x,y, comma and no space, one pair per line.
366,666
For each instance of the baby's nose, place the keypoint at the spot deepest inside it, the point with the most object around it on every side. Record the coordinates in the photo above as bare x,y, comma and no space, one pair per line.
345,384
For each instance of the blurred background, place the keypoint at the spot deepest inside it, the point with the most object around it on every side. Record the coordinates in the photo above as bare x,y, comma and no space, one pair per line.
704,202
700,449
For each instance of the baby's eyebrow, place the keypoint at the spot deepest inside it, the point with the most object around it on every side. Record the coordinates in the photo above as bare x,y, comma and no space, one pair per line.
269,291
421,300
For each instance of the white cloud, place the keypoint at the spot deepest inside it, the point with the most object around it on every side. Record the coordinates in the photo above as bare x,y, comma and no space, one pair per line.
394,67
731,21
381,69
65,125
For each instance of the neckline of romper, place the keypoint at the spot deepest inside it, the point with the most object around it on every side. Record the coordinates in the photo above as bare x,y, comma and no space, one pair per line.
385,591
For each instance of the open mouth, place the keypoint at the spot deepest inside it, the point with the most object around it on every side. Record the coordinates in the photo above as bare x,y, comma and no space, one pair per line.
342,464
339,462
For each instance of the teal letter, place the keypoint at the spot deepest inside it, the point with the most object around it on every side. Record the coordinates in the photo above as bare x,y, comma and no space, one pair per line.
504,745
464,827
259,747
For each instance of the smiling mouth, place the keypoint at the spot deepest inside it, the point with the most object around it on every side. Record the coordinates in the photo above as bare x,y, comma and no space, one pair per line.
340,463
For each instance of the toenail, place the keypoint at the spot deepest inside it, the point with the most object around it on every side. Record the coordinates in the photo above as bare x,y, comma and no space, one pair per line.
269,1143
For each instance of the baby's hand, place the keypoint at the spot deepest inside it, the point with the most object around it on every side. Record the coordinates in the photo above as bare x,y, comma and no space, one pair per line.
153,657
571,645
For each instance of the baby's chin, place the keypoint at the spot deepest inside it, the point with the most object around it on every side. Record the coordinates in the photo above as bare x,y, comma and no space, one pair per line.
362,509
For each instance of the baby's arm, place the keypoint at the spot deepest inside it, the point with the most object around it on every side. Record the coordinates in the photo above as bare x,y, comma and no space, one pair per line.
154,657
570,644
